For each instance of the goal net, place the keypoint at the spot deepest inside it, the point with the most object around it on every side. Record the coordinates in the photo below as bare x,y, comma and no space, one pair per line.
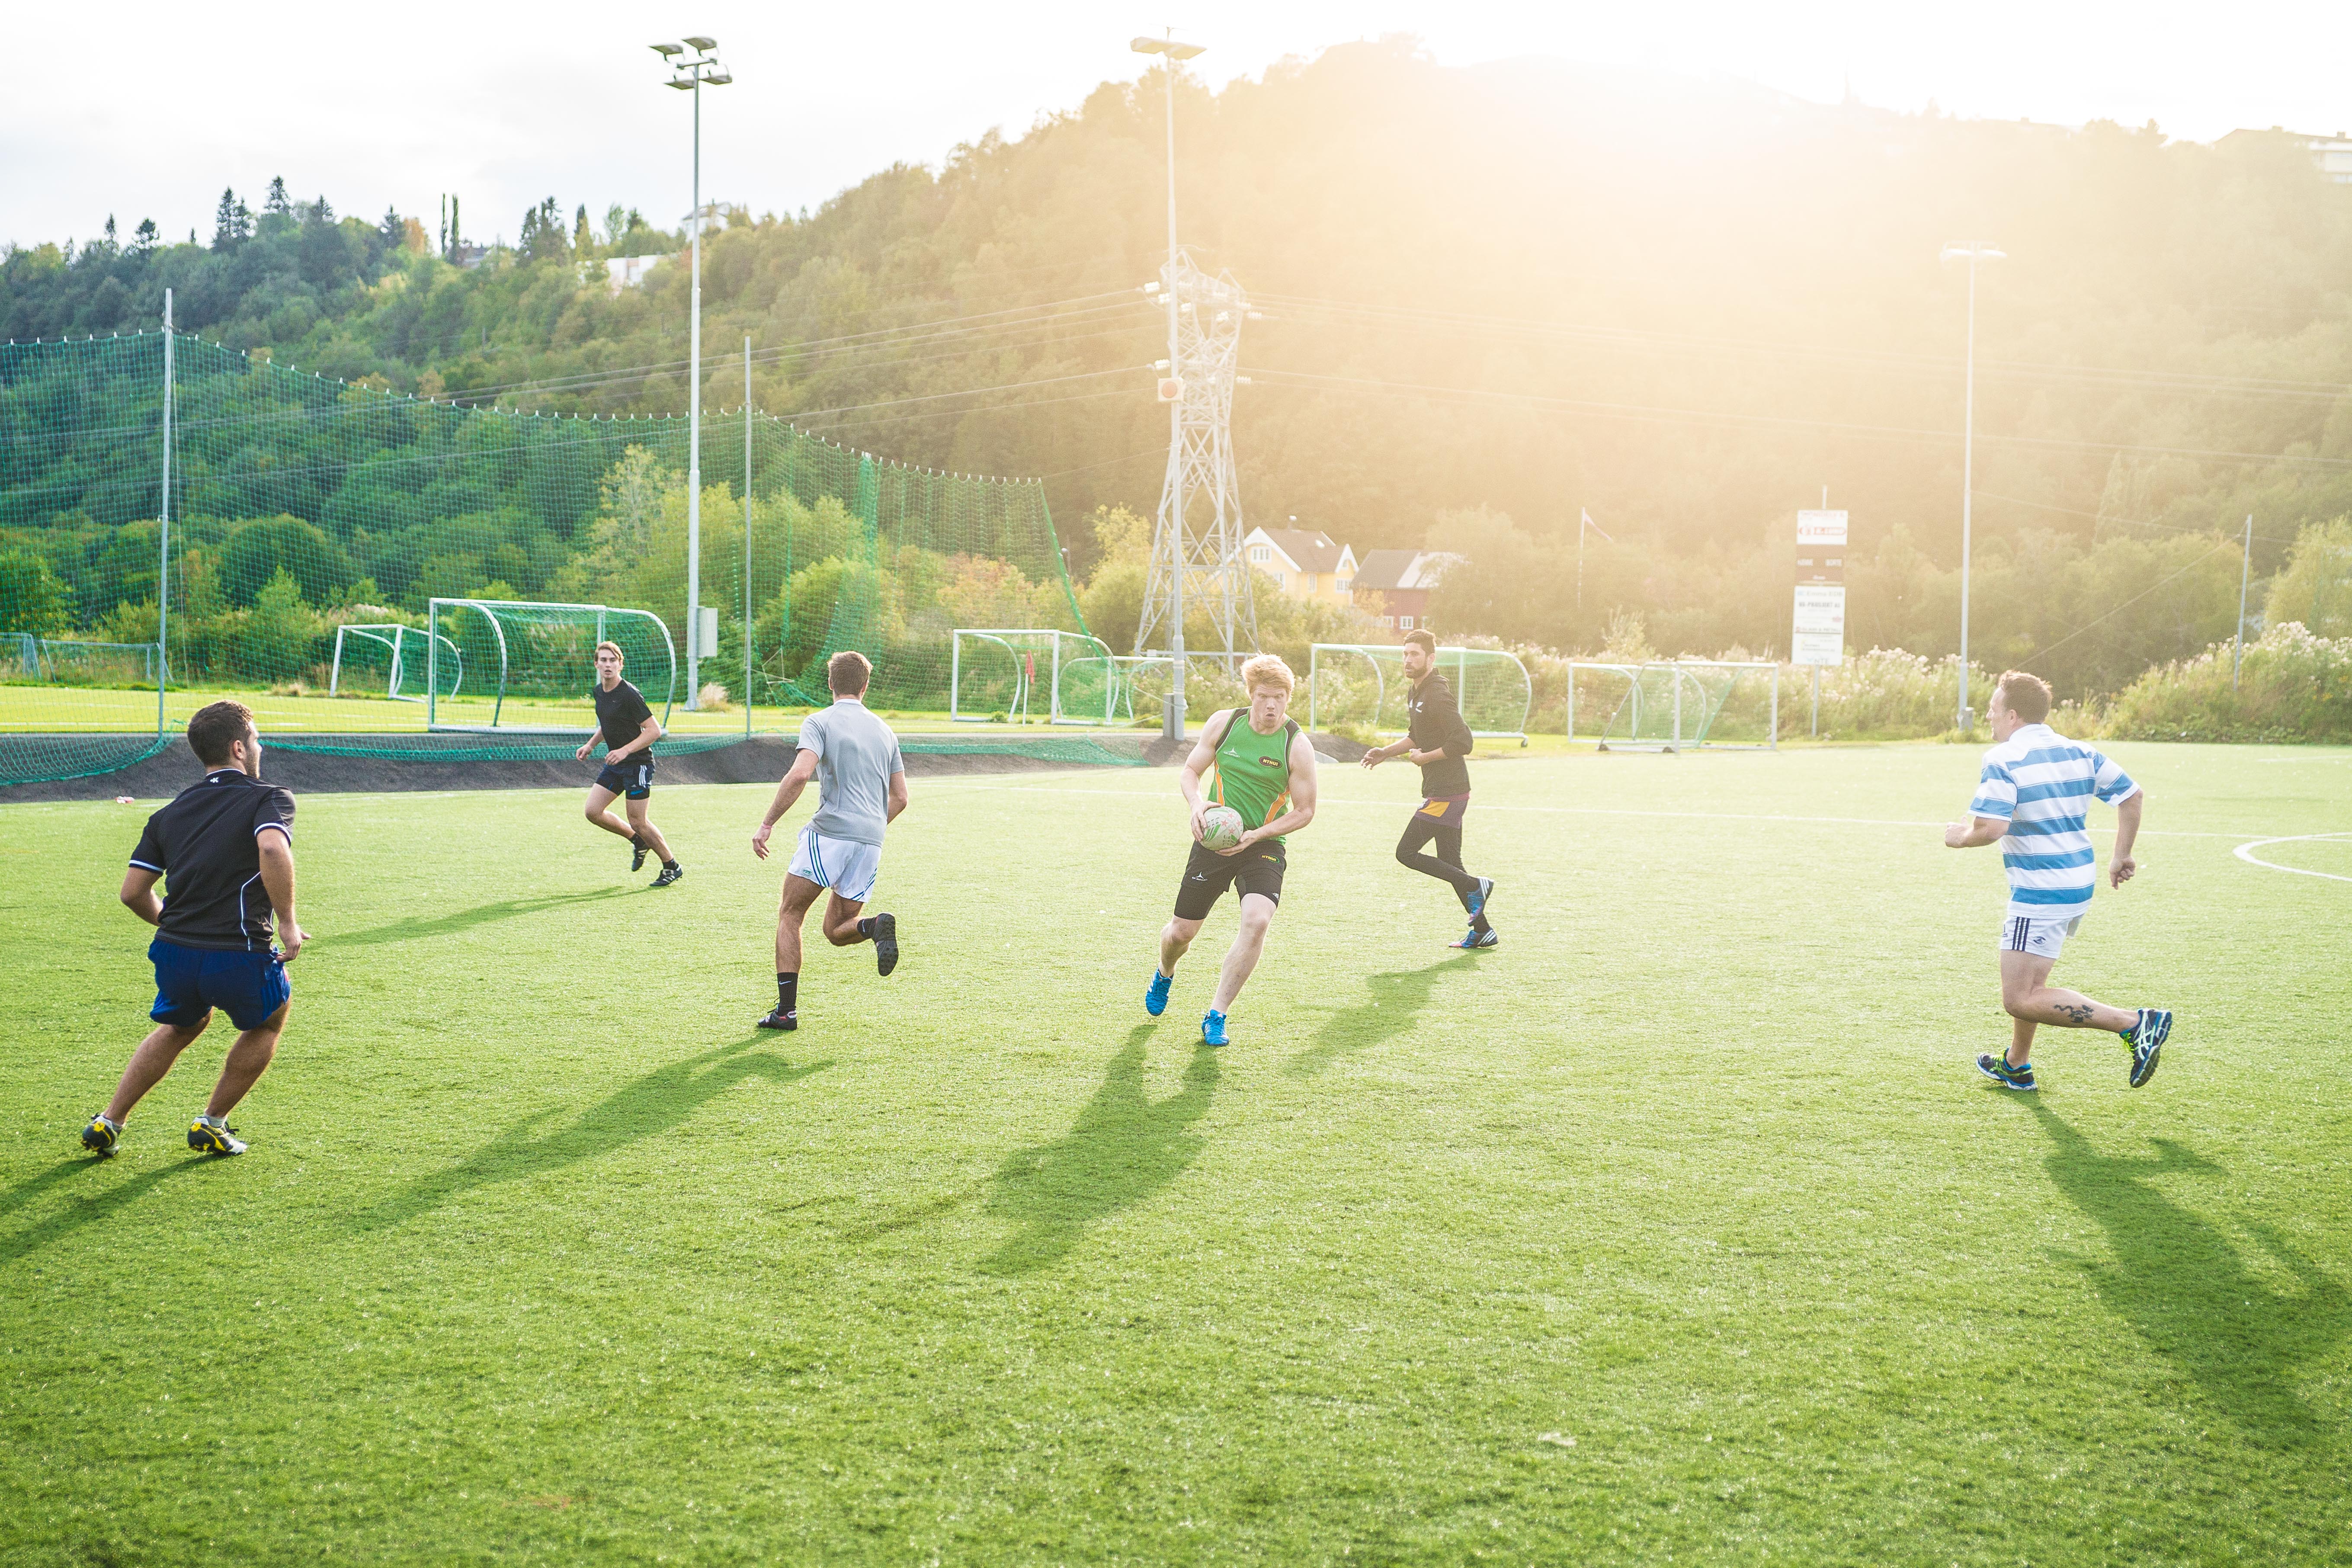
1365,684
389,658
1678,705
527,666
1035,675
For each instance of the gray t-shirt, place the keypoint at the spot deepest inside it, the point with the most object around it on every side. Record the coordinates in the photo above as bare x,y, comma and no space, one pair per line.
857,755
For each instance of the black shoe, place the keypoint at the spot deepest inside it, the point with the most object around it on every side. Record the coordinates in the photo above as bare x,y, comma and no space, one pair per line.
2146,1039
637,848
780,1019
885,942
669,873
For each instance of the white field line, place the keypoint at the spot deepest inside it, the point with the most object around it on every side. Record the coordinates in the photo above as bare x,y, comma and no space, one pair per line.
2246,852
1580,810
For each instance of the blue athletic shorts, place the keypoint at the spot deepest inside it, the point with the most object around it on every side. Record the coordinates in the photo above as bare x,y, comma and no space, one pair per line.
634,779
190,982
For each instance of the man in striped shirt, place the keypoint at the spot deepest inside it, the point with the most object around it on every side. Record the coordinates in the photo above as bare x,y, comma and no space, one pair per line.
2033,798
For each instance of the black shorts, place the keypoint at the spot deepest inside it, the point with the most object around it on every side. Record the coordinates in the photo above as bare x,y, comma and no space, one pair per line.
1207,875
633,778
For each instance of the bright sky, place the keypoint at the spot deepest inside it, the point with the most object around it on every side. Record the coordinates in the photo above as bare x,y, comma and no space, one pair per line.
504,104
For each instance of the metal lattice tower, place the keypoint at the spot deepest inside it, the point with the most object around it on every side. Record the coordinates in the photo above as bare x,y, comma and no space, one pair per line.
1196,545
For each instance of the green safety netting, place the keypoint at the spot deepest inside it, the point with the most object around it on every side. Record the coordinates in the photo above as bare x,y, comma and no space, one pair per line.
324,539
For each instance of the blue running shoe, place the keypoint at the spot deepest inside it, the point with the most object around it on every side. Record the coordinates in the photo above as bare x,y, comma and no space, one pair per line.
1155,996
1475,938
1213,1028
2147,1038
1477,901
1998,1069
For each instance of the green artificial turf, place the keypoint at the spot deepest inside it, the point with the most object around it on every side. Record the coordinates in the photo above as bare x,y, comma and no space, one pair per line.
1681,1228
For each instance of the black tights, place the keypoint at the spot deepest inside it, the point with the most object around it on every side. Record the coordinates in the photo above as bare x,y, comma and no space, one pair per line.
1445,865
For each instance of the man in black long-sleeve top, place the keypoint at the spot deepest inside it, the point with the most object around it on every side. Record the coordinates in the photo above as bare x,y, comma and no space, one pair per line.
1437,738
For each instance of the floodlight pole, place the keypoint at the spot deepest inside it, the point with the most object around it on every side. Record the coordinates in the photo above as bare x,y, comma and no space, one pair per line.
747,536
694,437
1974,249
690,77
1176,368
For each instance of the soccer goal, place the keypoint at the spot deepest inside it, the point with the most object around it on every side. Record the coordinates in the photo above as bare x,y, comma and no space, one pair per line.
395,653
532,664
1364,683
1021,673
1688,703
132,664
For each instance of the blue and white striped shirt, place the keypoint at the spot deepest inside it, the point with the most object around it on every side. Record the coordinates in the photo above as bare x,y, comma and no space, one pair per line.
2040,783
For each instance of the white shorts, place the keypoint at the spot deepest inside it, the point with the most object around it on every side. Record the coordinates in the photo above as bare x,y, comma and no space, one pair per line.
846,866
2043,938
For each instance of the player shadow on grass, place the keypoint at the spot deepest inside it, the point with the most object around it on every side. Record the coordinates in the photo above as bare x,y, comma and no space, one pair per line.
415,926
1121,1148
2178,1281
654,1103
79,1211
1397,997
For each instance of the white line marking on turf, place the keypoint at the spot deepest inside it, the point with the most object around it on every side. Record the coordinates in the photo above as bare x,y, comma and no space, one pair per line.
1595,811
2245,852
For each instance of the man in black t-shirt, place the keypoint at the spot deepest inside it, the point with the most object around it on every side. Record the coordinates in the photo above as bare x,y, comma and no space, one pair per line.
1437,738
628,729
226,845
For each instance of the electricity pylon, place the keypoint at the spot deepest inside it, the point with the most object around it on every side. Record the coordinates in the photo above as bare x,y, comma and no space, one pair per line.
1197,561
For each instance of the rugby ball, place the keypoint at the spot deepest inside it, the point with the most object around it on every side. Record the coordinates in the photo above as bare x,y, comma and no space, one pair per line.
1222,827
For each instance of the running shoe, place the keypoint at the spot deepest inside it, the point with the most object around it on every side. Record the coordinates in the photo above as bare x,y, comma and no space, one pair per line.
2146,1039
214,1135
886,943
637,849
1477,901
669,873
1475,938
1998,1069
778,1018
102,1135
1213,1028
1155,996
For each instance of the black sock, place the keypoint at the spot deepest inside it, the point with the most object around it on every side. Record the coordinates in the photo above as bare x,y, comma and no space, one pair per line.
788,993
1478,924
866,927
669,864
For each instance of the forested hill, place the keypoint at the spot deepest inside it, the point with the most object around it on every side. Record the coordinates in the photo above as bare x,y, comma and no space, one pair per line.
1530,288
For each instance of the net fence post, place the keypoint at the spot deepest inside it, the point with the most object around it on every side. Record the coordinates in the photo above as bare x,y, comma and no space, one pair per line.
163,561
747,536
1775,732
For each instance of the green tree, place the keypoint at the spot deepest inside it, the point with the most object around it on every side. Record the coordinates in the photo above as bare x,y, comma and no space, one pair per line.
31,598
2316,588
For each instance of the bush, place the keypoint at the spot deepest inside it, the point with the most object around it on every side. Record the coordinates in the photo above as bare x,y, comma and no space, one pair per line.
2292,685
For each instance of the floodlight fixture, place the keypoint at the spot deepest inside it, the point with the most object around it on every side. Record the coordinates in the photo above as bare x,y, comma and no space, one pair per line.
683,83
1169,47
666,50
1971,250
719,76
704,45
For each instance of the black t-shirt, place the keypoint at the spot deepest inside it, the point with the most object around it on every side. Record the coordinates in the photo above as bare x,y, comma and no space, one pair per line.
1434,723
206,845
621,714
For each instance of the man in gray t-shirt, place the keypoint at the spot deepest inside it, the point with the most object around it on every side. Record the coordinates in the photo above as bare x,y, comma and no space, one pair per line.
861,789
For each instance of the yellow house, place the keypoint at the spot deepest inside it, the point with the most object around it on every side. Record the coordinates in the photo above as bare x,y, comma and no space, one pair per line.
1304,563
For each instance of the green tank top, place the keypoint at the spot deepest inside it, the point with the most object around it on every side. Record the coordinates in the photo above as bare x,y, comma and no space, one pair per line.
1252,772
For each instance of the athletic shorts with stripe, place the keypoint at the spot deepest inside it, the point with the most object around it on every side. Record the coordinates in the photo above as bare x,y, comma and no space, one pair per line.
2043,938
844,865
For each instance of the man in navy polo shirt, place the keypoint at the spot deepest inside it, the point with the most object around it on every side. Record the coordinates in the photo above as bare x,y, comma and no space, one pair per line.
226,845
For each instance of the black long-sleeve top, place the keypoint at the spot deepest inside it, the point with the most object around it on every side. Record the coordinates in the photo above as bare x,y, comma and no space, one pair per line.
1434,723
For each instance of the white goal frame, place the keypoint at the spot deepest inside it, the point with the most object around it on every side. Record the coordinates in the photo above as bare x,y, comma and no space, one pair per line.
433,609
1083,649
399,633
1366,650
1689,729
